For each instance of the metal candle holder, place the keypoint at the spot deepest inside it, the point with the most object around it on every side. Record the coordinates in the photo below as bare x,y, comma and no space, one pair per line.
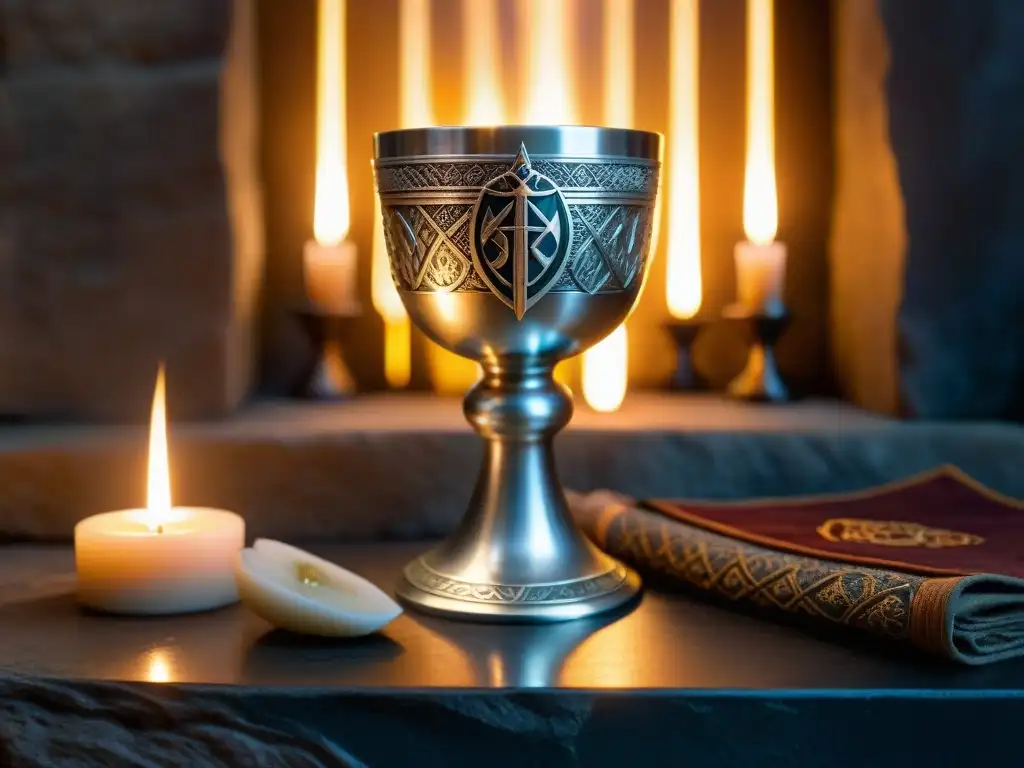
328,378
685,377
760,379
517,247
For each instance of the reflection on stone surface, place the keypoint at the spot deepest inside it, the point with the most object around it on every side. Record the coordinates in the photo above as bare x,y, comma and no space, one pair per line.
158,665
285,655
519,655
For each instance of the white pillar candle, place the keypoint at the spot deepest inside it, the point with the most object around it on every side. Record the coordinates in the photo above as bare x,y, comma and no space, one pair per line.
760,276
127,562
330,272
161,559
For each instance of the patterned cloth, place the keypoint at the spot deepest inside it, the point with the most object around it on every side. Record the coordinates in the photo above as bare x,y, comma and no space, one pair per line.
760,554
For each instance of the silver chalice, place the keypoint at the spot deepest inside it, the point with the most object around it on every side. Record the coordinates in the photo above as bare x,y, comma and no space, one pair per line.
517,247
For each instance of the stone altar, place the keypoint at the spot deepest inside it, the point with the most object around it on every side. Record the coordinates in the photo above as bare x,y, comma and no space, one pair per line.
676,679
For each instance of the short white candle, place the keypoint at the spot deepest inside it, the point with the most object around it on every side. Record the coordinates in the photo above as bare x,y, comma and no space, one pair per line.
129,563
331,277
160,559
761,276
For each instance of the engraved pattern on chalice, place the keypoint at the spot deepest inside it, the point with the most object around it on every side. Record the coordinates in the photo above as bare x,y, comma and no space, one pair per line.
517,247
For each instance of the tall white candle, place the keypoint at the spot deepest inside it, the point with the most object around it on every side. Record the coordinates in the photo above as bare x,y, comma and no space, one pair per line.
330,258
330,272
160,559
761,260
760,276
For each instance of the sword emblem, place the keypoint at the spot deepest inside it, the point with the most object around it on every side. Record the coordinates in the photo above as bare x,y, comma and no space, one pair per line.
521,233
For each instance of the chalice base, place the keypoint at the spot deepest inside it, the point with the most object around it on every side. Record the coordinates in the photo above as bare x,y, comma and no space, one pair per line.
430,585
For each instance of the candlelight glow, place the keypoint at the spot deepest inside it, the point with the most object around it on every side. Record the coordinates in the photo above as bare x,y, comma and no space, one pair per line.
760,203
416,112
619,63
482,65
683,281
550,97
451,374
605,370
388,304
159,666
331,216
414,44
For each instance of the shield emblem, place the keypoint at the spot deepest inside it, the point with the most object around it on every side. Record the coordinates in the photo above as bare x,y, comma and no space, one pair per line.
521,234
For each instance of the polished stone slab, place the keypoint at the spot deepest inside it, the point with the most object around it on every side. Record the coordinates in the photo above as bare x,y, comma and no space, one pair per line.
675,676
386,466
669,642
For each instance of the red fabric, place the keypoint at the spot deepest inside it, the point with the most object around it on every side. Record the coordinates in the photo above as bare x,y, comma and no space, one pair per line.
945,499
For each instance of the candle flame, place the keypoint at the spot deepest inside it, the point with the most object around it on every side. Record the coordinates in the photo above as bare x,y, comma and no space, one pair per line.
760,201
684,286
605,370
331,215
550,98
482,62
158,492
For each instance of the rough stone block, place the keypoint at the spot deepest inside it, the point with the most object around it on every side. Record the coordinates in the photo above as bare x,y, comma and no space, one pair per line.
131,229
927,276
868,238
77,32
385,466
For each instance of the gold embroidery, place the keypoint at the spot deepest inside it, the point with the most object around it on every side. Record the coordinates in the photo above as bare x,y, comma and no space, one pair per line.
892,533
868,598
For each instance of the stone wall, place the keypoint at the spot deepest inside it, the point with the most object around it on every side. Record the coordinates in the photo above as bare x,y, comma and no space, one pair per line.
927,275
127,235
868,238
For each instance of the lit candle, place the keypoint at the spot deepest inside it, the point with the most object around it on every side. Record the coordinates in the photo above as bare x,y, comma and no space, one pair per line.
760,261
548,73
604,370
160,559
481,43
547,52
387,302
330,258
415,112
683,284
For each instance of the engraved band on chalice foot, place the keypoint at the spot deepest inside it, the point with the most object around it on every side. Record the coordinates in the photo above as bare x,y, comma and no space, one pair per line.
434,592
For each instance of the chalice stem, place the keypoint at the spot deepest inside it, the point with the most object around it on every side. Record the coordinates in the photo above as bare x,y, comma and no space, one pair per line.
518,408
517,554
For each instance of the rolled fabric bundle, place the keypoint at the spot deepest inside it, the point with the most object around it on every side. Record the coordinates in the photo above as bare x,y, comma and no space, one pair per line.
935,561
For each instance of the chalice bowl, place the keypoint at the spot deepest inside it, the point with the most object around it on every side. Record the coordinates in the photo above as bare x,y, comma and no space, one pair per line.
517,247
